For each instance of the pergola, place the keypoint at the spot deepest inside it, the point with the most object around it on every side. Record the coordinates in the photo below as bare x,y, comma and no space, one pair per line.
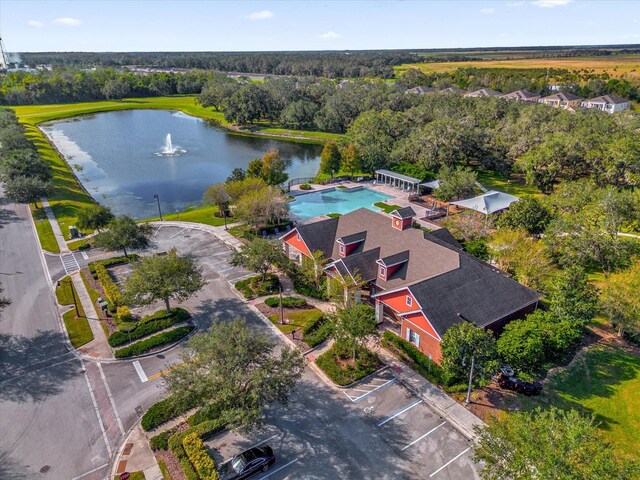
397,180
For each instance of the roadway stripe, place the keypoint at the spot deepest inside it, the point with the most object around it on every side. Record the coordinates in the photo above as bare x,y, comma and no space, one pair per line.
113,404
278,469
384,385
85,256
140,371
450,461
159,374
95,406
90,471
400,412
178,233
423,436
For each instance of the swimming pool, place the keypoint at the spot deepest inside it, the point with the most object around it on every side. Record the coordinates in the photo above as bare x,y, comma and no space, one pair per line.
335,201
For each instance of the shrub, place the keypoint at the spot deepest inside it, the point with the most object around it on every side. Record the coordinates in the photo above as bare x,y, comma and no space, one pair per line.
124,314
208,412
366,363
111,290
287,302
255,287
148,325
204,429
199,458
109,262
409,353
138,348
163,411
305,186
160,441
317,331
478,248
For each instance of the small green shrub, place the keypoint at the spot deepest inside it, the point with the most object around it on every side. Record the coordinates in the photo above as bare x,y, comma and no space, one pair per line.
124,314
148,325
138,348
366,363
110,262
287,302
199,458
160,441
208,412
305,186
163,411
317,332
478,248
254,286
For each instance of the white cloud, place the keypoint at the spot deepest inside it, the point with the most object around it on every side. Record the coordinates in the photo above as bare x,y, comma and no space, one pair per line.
35,23
329,36
487,11
67,21
261,15
550,3
515,4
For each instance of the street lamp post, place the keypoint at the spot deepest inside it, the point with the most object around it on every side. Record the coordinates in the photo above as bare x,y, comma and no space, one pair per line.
157,197
73,294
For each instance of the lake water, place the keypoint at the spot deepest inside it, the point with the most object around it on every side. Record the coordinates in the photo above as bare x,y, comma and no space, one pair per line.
114,154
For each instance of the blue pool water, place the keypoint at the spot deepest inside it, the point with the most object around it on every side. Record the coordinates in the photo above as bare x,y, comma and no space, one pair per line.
335,201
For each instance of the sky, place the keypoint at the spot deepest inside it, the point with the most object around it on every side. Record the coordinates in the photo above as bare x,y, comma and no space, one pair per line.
115,25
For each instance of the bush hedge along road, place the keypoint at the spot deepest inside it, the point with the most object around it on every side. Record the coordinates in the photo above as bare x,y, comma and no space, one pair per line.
143,346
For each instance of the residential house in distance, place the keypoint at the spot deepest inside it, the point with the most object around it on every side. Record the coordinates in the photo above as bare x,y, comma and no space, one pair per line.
607,103
522,96
562,100
457,90
483,92
420,90
423,282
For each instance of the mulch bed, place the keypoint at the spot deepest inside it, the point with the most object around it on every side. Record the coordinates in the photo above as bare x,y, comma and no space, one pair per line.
297,333
95,284
173,466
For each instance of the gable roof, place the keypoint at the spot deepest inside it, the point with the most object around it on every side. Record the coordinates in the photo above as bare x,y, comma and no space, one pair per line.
521,95
406,212
420,90
442,236
452,90
475,290
353,238
562,96
320,235
483,92
615,100
395,259
490,202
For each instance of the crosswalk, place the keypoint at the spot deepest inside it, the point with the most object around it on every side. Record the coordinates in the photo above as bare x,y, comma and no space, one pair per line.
69,263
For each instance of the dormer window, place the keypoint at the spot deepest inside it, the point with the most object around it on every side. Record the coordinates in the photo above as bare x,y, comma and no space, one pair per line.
342,250
409,301
382,272
298,236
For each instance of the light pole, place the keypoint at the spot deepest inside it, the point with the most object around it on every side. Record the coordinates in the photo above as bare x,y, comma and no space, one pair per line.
224,216
157,197
73,294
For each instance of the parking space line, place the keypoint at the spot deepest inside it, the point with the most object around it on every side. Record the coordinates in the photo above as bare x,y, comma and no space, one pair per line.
400,412
450,461
178,233
349,396
423,436
140,371
253,446
360,390
278,469
389,383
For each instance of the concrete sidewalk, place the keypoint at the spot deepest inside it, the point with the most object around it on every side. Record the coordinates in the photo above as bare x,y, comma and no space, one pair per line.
57,232
136,455
461,418
98,347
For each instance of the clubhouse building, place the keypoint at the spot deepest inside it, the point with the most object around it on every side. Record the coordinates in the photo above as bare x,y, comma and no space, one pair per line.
422,282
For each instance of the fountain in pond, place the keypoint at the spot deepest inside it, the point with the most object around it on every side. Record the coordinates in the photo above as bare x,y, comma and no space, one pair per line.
169,149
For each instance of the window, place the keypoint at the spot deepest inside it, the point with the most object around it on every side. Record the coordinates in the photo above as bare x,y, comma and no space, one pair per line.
409,301
413,337
341,249
383,272
298,237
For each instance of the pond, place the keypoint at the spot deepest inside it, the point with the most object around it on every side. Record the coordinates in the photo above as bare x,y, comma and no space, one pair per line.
118,157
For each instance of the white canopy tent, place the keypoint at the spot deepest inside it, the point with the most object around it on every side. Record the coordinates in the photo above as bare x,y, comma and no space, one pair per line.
487,203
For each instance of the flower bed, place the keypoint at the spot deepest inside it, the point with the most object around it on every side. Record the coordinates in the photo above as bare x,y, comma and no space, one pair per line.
337,363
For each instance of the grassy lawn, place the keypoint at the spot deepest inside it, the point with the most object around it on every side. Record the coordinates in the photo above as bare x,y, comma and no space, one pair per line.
614,65
495,181
334,215
323,177
65,291
296,320
77,327
254,286
76,244
386,207
203,214
47,239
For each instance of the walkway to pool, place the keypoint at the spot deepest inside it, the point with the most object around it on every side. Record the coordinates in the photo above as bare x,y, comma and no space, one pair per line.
398,197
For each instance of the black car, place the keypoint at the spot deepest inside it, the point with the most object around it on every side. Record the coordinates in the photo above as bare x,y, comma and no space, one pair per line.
246,464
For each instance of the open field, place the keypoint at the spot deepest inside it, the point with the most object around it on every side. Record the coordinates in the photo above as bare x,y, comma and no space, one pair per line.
616,66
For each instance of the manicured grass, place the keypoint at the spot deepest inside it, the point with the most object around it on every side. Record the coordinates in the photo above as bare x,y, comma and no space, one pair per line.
492,180
47,239
323,177
614,65
65,291
203,214
77,327
254,286
339,366
385,207
334,215
296,320
76,244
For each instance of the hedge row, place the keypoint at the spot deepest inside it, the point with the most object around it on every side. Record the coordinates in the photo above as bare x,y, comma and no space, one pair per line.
287,302
163,411
148,325
317,331
204,429
111,290
109,262
199,458
138,348
160,441
408,352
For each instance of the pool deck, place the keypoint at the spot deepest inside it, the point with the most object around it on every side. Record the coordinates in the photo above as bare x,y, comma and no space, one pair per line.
398,197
